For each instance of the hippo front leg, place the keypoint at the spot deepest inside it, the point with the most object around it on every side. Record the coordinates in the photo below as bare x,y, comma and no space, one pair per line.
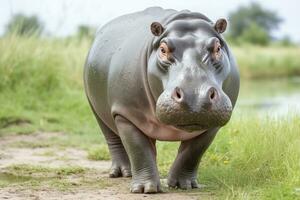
183,173
142,156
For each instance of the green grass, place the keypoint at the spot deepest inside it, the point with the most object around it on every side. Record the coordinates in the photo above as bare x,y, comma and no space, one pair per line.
254,158
41,90
99,153
268,62
26,169
32,176
59,178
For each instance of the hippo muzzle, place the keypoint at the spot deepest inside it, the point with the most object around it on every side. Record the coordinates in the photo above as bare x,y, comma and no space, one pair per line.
197,110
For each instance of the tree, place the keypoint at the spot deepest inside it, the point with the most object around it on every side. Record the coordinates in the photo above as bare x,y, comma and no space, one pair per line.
255,34
24,25
85,31
246,16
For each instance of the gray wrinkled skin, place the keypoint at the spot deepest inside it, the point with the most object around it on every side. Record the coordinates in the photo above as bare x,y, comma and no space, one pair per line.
139,98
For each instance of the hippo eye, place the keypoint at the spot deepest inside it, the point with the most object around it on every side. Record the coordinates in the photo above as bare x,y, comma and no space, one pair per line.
164,52
217,50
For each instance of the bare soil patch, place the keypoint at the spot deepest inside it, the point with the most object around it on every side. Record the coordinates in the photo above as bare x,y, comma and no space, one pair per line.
90,183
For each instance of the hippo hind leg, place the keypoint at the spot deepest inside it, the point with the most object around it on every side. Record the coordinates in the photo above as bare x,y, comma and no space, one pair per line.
120,163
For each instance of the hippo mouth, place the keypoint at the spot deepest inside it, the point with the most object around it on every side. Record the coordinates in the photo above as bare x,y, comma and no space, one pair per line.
190,127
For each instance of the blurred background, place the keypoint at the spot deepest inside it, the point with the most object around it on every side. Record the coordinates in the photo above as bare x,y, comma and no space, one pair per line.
43,46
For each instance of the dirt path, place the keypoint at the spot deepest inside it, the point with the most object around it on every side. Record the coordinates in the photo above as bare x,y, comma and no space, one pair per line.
47,172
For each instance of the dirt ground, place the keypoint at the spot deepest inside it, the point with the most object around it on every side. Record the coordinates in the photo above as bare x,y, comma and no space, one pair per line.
93,183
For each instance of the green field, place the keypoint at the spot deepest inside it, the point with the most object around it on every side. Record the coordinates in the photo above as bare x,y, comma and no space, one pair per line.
268,62
41,90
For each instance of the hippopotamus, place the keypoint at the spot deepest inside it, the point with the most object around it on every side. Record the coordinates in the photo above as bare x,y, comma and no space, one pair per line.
160,74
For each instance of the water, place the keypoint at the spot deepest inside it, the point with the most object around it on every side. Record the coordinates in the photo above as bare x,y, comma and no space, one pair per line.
276,98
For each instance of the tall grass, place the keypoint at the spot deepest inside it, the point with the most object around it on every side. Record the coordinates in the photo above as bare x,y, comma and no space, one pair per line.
41,81
256,155
249,159
268,62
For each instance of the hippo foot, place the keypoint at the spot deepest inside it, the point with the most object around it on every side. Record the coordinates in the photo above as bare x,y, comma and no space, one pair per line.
120,170
183,182
149,186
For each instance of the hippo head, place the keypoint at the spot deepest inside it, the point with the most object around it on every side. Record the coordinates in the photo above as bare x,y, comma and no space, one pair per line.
187,67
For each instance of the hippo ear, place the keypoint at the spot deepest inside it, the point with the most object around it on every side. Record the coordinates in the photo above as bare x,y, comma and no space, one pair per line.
157,29
220,25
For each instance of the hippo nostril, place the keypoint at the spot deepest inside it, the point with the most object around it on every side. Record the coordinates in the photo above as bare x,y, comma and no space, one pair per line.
212,92
212,95
177,95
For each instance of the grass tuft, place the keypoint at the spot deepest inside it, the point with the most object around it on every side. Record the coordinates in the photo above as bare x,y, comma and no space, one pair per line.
99,153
